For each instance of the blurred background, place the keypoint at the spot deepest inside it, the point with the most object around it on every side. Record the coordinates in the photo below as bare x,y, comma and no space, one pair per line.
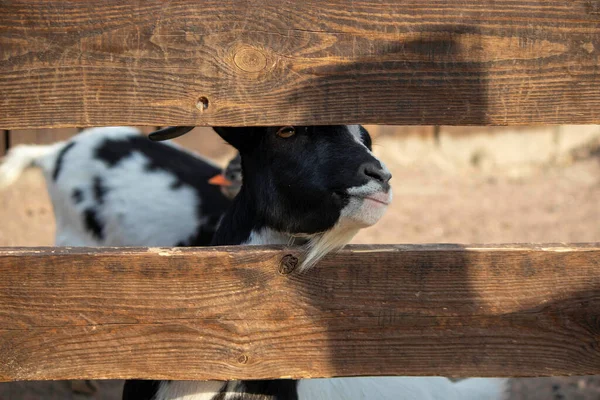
451,185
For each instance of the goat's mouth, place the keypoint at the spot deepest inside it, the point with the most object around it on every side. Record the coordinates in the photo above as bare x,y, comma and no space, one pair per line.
380,201
379,198
365,209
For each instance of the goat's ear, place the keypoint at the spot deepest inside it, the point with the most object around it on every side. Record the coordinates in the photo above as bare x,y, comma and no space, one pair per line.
170,132
366,137
238,137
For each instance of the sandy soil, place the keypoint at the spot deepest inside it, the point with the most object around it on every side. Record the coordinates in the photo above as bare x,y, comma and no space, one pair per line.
430,205
559,204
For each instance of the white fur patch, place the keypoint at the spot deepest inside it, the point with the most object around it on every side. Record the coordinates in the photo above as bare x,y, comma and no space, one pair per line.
21,157
355,388
189,390
402,388
139,206
365,207
355,132
137,209
321,244
267,236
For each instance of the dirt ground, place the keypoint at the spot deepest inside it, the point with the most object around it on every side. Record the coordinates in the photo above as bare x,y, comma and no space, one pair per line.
432,204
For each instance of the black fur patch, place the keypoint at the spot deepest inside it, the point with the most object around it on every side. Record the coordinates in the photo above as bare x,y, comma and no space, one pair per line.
92,223
222,393
59,160
278,389
99,190
176,185
187,170
238,222
77,196
140,390
296,184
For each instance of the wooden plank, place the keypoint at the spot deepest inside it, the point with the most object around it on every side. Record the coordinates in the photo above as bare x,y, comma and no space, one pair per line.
66,63
224,313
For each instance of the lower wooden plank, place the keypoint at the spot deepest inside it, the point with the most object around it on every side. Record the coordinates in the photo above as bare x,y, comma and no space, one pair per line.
233,312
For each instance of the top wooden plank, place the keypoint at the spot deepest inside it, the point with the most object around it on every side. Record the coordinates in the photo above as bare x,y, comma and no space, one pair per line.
483,62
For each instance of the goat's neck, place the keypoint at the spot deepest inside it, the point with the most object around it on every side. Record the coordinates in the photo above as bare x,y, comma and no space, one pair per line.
267,235
243,224
238,222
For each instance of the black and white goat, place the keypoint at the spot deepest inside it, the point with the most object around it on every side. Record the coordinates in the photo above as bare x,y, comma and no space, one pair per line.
113,187
317,187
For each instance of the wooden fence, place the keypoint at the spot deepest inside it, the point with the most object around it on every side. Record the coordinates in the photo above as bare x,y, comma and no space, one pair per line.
225,313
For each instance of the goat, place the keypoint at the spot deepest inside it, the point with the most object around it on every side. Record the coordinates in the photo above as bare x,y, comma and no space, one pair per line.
315,186
113,187
98,182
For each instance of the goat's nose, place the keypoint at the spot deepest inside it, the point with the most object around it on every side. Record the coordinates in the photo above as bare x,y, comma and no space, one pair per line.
374,170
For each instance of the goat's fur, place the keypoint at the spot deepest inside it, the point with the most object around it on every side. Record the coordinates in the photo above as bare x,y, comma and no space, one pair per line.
114,187
301,190
109,188
363,388
318,189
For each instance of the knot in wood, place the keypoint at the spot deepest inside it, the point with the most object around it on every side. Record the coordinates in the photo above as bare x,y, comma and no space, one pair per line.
250,60
288,264
242,359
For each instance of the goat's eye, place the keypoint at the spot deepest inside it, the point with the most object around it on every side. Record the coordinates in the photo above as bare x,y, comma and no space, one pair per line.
286,132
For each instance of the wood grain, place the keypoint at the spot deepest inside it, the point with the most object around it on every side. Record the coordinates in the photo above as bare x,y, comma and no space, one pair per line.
66,63
227,312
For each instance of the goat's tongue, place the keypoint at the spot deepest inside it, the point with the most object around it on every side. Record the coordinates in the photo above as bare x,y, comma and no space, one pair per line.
220,180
